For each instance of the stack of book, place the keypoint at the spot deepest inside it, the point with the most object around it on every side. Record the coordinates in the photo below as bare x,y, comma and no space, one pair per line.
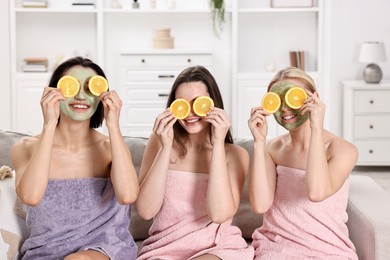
34,3
297,59
35,65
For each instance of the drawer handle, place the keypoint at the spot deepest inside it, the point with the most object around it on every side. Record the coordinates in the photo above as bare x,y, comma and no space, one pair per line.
371,127
163,94
371,101
371,151
166,76
143,60
189,60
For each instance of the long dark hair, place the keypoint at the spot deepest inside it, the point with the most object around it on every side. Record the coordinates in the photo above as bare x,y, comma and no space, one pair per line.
97,118
195,74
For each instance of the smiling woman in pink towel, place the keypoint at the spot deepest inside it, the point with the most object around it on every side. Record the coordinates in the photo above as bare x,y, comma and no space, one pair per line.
299,180
191,179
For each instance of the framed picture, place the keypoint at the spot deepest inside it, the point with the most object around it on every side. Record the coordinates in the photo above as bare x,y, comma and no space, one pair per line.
291,3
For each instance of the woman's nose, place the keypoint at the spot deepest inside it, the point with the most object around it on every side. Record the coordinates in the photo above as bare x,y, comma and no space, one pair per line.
284,106
80,95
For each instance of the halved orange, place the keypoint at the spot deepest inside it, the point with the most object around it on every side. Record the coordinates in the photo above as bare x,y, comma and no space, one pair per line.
97,85
295,97
271,102
69,86
202,105
180,108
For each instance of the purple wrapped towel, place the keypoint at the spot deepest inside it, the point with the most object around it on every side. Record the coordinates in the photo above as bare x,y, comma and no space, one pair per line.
79,214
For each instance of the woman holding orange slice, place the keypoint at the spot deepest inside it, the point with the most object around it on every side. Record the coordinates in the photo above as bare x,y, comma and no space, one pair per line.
75,182
192,175
299,180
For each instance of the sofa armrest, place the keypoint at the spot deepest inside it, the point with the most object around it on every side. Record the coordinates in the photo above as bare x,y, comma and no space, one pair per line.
369,218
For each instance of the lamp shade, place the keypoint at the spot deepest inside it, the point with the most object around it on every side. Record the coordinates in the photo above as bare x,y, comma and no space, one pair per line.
372,52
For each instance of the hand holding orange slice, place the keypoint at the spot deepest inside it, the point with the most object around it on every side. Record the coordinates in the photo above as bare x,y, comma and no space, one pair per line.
202,105
271,102
97,85
295,97
180,108
69,86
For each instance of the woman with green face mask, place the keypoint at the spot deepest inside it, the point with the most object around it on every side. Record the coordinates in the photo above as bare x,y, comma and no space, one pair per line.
75,182
299,180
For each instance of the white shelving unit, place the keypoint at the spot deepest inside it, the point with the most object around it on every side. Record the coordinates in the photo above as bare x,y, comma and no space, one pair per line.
263,35
253,34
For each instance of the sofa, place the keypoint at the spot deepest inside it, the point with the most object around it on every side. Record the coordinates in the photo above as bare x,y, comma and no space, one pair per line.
368,208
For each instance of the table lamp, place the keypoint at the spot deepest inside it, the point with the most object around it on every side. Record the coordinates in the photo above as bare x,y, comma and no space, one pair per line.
371,53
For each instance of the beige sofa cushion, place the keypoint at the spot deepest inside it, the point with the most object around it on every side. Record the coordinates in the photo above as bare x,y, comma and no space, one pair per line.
245,218
7,139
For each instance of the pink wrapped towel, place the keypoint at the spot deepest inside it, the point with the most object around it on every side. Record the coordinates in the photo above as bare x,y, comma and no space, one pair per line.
296,228
183,230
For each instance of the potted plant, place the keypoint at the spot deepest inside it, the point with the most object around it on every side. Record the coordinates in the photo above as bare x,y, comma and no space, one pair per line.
218,12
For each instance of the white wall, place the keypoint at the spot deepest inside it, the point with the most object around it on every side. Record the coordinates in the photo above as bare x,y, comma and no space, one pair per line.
5,69
352,22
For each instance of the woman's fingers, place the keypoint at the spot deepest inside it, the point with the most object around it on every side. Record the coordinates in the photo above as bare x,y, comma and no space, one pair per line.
111,100
163,120
51,96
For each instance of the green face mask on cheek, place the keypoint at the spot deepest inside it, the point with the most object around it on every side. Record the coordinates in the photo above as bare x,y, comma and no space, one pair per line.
82,106
286,117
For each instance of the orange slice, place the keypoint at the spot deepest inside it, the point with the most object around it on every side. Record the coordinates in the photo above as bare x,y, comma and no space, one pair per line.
180,108
271,102
97,85
69,86
295,97
202,105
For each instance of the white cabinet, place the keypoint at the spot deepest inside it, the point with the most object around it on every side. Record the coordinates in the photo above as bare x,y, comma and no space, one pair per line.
367,121
145,82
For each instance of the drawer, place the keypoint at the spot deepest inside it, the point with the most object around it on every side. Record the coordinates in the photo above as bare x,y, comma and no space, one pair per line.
148,93
373,151
129,76
371,126
137,130
147,61
145,113
371,101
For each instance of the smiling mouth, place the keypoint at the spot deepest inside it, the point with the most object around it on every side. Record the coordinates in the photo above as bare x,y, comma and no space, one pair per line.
289,117
192,120
79,107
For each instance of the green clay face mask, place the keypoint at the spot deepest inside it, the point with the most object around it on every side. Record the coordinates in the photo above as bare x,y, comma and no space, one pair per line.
286,117
82,106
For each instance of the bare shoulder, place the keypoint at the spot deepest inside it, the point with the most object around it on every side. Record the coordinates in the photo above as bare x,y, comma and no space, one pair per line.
22,151
26,144
337,145
101,139
236,151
